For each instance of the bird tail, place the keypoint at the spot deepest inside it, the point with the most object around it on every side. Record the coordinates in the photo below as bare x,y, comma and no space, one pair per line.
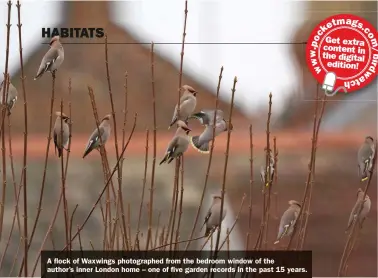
164,158
41,71
204,148
87,151
364,177
60,152
39,74
172,123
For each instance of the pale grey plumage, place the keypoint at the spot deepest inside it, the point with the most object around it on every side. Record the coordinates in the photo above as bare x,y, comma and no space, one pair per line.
288,220
188,102
366,205
102,132
206,117
11,98
365,158
213,215
61,140
179,143
53,58
263,173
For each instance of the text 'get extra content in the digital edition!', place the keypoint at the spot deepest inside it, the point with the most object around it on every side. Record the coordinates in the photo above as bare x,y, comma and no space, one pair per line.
98,263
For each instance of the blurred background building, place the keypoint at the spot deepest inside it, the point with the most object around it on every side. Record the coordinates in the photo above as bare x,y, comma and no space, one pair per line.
278,67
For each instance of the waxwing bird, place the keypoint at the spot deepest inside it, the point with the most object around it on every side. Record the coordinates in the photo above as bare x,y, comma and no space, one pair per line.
53,58
263,173
188,102
288,220
61,140
365,158
12,96
365,203
102,132
206,117
213,215
179,143
201,142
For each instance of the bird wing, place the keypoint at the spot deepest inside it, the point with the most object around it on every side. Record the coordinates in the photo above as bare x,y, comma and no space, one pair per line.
94,140
172,145
287,220
49,58
211,114
207,217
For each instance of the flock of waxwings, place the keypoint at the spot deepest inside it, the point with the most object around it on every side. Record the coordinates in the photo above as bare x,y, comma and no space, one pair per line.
181,140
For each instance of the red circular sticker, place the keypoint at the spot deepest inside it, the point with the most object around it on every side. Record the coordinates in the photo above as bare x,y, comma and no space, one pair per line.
342,53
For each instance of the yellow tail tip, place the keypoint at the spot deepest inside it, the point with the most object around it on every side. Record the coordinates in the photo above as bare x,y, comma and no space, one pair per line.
277,241
197,149
364,179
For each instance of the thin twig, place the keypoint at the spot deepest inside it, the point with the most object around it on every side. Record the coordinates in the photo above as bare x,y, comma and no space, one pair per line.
307,213
233,225
151,201
65,209
12,228
209,163
24,171
309,175
125,112
178,242
52,223
5,98
143,190
120,198
275,153
157,230
225,170
267,178
39,209
250,186
181,200
70,134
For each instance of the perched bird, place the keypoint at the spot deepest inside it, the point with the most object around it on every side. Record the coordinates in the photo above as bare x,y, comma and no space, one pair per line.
365,158
188,102
61,140
206,117
263,173
288,220
53,58
12,96
179,143
213,215
365,203
102,132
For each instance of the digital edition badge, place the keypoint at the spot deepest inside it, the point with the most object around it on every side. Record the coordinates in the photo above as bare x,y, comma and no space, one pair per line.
342,53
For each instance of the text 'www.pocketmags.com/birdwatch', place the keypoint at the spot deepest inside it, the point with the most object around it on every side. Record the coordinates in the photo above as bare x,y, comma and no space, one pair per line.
342,53
81,33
